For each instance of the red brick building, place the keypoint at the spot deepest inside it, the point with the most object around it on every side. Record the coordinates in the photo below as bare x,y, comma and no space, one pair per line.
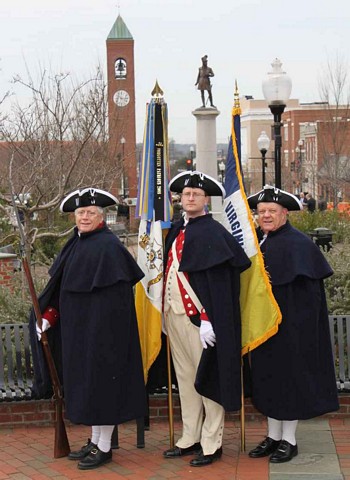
7,268
315,148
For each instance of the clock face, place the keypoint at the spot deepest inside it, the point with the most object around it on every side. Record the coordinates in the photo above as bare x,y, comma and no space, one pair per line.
121,98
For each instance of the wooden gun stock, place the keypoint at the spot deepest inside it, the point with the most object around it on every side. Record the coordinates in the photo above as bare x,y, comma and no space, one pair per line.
61,448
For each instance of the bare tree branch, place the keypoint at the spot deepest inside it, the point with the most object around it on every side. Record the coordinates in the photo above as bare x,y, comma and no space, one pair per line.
334,131
58,142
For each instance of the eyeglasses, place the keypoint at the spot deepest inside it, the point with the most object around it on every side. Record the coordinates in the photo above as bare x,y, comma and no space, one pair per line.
193,194
89,214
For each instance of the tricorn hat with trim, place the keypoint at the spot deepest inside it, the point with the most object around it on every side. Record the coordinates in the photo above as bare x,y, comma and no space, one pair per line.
275,195
85,198
195,179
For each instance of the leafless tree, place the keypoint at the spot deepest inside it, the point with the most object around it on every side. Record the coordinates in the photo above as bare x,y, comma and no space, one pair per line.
56,143
334,131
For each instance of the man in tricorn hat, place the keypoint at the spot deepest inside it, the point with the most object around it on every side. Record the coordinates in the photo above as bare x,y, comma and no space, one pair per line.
292,373
89,305
202,318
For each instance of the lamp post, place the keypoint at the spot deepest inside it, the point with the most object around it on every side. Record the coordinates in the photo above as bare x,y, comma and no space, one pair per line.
277,88
299,164
263,146
122,141
221,166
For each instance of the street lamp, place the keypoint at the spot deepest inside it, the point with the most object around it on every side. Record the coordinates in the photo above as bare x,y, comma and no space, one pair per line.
299,164
277,88
263,146
222,167
123,141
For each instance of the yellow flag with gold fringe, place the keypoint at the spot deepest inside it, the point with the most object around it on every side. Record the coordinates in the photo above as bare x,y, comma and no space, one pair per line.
260,313
153,208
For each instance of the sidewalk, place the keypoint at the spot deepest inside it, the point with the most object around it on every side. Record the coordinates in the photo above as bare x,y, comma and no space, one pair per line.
324,454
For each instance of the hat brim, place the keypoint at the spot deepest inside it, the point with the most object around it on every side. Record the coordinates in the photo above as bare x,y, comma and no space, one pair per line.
87,197
271,194
196,179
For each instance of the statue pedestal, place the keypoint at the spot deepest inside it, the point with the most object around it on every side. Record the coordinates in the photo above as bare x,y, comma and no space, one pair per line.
206,150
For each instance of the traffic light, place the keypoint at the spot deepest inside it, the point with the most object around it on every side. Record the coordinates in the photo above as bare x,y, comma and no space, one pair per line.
189,164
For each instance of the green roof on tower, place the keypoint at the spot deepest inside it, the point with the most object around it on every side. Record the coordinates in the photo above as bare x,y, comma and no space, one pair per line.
119,30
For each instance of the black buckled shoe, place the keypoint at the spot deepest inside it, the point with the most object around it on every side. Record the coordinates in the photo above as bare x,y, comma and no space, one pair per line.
83,452
203,460
176,452
265,448
284,453
95,459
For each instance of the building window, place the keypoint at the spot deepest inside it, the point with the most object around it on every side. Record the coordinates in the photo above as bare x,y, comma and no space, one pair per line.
285,132
286,158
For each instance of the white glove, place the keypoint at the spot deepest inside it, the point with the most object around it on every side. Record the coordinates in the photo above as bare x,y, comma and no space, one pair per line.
207,334
45,326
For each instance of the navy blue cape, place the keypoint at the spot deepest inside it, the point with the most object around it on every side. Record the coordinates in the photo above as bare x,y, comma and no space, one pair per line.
292,373
96,342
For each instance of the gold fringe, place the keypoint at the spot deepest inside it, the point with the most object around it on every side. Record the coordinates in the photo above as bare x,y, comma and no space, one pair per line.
274,329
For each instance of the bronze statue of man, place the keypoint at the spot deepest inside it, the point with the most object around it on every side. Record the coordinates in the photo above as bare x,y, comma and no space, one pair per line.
203,80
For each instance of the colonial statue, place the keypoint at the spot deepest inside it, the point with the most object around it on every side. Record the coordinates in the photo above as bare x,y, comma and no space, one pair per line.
203,80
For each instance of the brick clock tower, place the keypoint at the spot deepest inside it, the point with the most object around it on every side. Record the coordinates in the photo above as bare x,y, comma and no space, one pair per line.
121,108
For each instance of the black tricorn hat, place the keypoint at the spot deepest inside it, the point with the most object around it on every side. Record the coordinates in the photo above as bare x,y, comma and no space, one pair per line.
275,195
197,179
87,197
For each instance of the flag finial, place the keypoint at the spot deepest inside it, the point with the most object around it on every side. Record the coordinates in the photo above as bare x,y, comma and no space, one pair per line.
236,95
157,92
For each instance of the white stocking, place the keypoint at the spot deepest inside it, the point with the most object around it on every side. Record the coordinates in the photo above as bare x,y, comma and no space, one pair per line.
95,434
105,440
288,431
274,428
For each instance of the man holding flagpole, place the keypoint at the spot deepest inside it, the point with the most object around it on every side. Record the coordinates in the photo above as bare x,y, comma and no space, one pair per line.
202,318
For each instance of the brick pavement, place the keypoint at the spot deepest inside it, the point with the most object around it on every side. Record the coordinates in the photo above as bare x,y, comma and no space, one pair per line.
26,453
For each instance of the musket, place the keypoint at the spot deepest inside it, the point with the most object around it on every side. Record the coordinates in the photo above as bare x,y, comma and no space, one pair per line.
61,447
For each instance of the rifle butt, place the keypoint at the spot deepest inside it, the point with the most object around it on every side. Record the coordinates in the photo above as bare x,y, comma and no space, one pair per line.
62,447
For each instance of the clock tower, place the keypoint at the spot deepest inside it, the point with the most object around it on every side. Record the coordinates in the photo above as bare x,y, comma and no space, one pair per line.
121,107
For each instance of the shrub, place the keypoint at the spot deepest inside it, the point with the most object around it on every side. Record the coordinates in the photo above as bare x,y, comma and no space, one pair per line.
338,285
15,303
338,223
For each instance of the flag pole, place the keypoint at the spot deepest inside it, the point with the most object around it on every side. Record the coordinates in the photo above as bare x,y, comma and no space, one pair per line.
242,419
170,395
170,383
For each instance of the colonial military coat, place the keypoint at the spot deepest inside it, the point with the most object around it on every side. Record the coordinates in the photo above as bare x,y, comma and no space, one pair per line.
292,373
96,342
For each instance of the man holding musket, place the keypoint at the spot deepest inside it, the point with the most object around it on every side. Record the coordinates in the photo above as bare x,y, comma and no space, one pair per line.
88,310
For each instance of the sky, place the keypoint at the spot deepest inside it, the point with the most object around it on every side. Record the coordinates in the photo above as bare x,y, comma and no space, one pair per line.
240,37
